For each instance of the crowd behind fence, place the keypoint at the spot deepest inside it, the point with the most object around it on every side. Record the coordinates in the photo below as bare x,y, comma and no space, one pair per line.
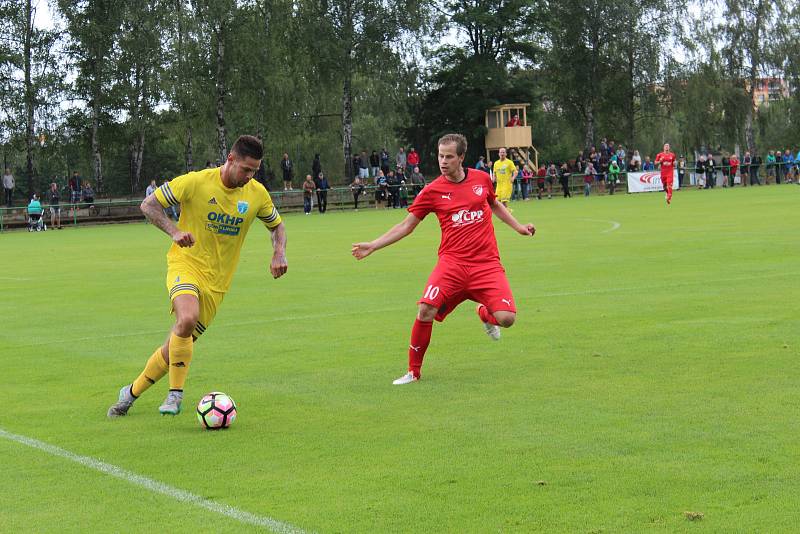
693,174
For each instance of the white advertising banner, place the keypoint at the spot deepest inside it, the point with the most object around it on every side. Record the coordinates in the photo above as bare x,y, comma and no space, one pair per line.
645,182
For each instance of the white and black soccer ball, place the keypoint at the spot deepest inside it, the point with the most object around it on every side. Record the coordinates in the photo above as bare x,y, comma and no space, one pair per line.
216,410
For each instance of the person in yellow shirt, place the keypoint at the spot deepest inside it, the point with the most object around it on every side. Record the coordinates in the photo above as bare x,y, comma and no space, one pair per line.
505,173
218,206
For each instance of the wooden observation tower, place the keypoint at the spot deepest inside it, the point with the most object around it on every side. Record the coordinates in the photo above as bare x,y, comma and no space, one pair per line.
513,134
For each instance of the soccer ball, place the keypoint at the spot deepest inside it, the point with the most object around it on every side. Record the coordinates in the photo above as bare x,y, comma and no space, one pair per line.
216,410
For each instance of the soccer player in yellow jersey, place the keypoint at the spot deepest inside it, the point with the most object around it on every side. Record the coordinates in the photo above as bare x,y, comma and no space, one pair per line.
218,205
505,173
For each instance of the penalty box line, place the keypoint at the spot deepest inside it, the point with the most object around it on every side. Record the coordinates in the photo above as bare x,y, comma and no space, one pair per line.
155,486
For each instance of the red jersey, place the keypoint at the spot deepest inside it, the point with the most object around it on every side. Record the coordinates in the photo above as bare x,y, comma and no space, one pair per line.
667,160
464,216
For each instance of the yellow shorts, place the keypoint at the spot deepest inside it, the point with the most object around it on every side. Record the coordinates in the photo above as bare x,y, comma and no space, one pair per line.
503,192
183,281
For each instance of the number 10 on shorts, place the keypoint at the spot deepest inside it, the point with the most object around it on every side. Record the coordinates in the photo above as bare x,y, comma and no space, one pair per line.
431,292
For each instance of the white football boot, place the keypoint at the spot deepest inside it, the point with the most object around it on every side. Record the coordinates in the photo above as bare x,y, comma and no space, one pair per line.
405,379
492,330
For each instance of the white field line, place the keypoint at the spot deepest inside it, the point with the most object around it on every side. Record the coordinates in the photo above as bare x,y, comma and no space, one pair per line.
614,224
155,486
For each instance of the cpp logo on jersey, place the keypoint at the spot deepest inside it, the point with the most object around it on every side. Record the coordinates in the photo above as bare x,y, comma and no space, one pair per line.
466,217
242,206
477,189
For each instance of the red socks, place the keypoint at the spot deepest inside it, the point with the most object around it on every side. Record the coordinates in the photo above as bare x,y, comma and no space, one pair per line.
485,316
420,339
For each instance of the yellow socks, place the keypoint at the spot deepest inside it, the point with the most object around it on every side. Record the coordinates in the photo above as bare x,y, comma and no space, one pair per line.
154,370
180,355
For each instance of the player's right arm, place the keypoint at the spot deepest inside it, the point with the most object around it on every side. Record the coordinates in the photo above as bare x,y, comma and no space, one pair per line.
395,234
154,211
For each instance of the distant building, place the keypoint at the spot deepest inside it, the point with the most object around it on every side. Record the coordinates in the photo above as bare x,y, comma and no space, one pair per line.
769,90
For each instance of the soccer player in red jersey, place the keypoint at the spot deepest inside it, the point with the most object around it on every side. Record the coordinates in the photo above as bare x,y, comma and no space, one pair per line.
667,161
469,265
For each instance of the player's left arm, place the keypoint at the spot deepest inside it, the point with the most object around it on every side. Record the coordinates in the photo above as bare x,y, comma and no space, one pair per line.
278,266
504,215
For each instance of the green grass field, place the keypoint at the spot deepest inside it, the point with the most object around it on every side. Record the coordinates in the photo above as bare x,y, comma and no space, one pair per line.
653,370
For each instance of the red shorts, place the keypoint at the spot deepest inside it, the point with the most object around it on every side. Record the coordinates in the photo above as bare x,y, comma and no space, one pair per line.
452,283
667,180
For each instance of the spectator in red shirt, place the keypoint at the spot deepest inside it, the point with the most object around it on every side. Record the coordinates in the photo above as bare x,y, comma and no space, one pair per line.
514,121
412,160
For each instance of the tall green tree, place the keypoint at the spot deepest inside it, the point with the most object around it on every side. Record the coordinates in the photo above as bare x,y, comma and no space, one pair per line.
30,79
358,36
752,32
93,27
138,74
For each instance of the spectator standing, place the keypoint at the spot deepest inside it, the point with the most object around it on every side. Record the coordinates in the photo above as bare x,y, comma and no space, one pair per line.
412,161
308,191
747,163
322,192
150,189
55,206
771,167
588,178
552,176
700,172
541,176
564,176
481,165
385,162
357,188
527,175
602,168
755,165
8,187
363,165
788,166
726,176
374,163
711,172
288,172
400,159
74,192
316,167
734,163
417,182
613,176
648,165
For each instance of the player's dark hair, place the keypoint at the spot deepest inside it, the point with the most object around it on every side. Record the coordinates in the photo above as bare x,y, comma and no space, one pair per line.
248,146
459,140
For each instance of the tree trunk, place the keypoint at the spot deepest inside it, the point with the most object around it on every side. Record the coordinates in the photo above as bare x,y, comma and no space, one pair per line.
189,154
30,101
137,155
588,141
222,135
347,125
755,63
97,163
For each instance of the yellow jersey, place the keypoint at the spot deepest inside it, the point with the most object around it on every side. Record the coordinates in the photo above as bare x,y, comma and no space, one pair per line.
503,171
218,218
